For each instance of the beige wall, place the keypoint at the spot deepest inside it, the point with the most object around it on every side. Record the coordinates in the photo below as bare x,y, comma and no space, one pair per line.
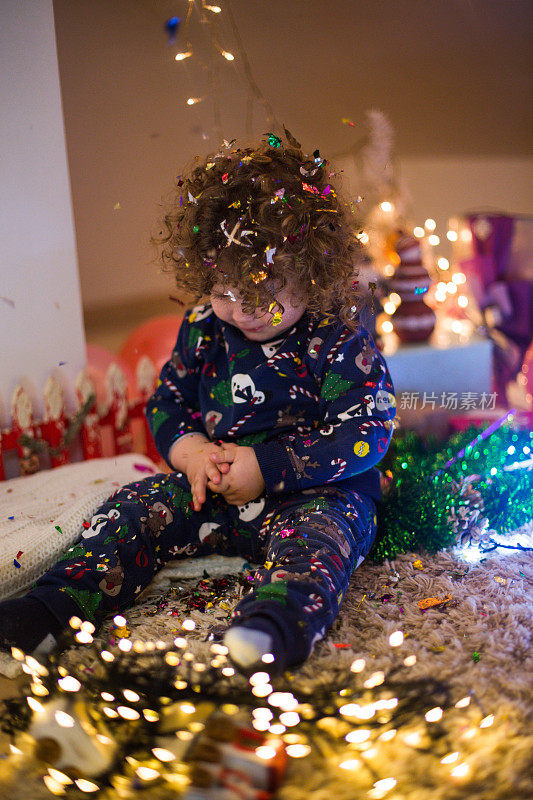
453,78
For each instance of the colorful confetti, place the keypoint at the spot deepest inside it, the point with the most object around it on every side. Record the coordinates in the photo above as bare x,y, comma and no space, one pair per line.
273,140
433,602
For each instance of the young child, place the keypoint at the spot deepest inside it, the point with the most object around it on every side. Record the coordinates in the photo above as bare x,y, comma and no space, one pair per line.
272,412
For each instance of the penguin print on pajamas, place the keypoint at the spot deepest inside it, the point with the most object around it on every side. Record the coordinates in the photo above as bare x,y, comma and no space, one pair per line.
98,522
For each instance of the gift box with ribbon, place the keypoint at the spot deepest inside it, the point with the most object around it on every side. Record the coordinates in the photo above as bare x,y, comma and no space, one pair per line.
495,252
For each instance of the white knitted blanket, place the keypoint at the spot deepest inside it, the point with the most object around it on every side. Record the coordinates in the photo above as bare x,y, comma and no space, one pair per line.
42,514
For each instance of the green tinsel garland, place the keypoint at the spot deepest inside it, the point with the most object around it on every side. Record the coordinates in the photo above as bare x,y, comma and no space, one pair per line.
416,507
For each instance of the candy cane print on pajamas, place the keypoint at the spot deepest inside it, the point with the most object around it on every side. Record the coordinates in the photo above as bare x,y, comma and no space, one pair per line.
341,463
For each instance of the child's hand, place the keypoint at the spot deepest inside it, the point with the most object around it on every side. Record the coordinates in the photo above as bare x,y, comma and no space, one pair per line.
201,469
244,481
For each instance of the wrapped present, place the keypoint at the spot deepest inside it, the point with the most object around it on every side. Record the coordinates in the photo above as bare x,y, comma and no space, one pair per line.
495,252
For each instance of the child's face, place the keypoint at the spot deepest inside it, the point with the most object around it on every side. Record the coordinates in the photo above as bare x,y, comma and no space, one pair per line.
257,326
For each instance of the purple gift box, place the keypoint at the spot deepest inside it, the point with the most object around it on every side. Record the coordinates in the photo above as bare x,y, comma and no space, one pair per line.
497,259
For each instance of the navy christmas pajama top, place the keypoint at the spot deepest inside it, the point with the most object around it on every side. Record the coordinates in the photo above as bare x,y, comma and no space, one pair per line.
316,404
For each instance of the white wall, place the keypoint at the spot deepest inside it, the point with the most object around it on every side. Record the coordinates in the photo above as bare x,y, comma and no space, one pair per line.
40,308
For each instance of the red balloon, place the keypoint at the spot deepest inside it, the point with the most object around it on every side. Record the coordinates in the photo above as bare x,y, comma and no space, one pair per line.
98,362
155,338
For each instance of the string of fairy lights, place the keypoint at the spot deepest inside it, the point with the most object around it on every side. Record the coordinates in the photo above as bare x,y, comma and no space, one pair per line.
146,702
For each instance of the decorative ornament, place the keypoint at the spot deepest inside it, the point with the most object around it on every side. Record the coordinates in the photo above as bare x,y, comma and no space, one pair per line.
413,320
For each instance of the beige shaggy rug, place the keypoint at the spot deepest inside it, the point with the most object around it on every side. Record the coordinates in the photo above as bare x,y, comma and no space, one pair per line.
478,643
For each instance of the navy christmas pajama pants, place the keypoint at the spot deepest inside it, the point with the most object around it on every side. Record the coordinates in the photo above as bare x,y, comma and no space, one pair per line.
308,544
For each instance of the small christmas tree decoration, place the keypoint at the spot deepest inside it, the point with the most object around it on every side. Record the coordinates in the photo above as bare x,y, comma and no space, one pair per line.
413,320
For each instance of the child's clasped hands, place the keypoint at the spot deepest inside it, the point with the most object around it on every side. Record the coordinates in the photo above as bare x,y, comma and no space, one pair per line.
228,469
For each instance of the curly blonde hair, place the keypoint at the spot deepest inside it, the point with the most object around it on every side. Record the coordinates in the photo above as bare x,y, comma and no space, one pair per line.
259,218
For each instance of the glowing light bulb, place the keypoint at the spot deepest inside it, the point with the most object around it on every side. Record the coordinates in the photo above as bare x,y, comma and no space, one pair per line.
466,235
63,719
358,665
358,736
259,677
262,690
265,752
376,679
267,658
389,308
487,721
131,696
119,621
386,206
410,661
387,326
380,788
52,785
88,627
84,637
297,750
434,714
69,684
443,263
59,776
192,101
396,639
214,9
183,56
430,224
462,301
162,754
147,773
188,624
277,729
105,655
228,56
289,718
451,236
460,771
85,785
125,645
419,232
262,713
433,240
35,705
350,763
127,713
450,758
